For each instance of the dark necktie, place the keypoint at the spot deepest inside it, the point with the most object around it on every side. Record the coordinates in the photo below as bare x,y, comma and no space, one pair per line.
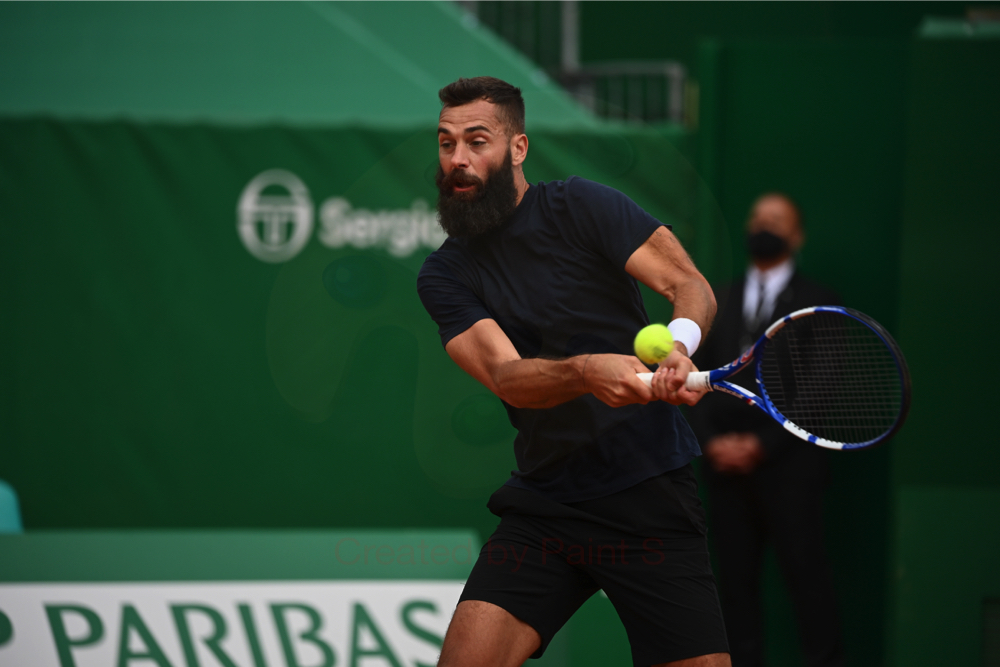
760,312
751,323
761,308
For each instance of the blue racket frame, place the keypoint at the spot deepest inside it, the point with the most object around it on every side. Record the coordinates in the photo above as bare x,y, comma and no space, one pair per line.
716,378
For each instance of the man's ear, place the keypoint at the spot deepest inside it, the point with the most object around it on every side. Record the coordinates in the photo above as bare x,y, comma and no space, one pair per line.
518,148
798,240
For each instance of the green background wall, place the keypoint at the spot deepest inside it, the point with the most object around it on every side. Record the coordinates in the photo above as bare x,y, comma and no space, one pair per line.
674,30
946,486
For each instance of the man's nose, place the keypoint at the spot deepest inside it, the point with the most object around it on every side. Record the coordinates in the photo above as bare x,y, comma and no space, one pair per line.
460,157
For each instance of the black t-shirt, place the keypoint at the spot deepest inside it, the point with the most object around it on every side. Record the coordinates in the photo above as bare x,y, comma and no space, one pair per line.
553,278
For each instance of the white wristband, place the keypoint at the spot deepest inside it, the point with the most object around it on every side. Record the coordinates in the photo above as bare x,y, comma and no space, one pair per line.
686,331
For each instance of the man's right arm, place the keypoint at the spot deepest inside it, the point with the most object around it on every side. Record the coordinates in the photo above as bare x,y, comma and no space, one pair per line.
485,352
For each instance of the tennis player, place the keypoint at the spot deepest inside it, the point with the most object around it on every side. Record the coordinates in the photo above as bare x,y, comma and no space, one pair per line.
535,296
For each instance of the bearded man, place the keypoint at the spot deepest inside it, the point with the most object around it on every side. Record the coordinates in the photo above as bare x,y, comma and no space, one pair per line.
535,296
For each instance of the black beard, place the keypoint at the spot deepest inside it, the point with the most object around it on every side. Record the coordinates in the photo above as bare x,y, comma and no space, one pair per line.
487,207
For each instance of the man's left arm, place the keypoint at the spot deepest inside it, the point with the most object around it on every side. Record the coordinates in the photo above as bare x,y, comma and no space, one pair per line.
662,264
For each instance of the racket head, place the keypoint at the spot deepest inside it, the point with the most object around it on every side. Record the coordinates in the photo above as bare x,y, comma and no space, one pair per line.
835,377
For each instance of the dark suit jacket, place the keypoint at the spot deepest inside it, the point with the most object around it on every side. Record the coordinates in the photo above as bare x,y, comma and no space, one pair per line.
719,413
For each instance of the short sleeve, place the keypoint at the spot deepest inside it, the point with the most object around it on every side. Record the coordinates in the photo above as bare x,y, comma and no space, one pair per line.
450,302
607,220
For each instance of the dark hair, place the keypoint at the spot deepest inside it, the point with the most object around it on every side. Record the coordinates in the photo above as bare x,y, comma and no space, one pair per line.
507,98
788,200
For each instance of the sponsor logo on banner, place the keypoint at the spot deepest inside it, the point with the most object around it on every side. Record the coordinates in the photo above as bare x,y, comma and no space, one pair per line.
252,624
275,228
400,232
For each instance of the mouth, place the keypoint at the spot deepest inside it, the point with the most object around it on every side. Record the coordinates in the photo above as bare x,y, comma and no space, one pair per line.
459,183
465,188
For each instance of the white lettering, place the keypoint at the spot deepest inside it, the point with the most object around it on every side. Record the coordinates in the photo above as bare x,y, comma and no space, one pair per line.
400,232
227,623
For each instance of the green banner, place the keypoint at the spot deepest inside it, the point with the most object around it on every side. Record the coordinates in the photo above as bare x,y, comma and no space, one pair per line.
211,326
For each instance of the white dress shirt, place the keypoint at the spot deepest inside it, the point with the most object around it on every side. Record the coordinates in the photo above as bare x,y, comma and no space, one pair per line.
774,280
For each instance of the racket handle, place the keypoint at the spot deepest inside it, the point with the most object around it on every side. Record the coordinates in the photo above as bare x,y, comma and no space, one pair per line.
698,381
695,381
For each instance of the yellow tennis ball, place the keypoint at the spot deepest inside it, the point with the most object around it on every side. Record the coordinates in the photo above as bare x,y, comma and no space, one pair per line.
653,344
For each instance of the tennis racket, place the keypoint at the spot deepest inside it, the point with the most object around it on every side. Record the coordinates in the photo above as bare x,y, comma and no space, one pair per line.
830,375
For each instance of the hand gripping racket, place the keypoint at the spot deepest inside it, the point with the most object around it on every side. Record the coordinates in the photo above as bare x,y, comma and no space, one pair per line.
830,375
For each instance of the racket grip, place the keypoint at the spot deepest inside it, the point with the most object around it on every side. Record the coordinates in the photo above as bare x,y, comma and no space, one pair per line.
698,381
695,381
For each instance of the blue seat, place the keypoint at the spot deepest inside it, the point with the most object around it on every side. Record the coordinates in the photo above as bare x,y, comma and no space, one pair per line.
10,510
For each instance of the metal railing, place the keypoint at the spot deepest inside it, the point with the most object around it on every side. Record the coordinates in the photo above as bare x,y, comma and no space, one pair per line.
549,34
642,92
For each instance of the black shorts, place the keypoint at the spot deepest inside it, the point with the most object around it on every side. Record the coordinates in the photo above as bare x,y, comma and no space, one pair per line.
644,546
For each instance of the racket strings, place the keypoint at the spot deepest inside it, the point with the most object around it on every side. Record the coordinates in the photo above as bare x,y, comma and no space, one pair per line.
834,377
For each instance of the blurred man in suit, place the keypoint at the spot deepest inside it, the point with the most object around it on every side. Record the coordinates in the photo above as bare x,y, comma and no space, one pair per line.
764,484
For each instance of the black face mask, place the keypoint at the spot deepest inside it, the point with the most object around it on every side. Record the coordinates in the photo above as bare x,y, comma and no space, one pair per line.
765,245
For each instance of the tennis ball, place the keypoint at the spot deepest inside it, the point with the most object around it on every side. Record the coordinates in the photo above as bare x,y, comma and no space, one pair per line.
653,344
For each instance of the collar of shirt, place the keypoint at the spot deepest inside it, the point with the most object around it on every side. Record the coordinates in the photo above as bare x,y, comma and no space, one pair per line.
775,280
